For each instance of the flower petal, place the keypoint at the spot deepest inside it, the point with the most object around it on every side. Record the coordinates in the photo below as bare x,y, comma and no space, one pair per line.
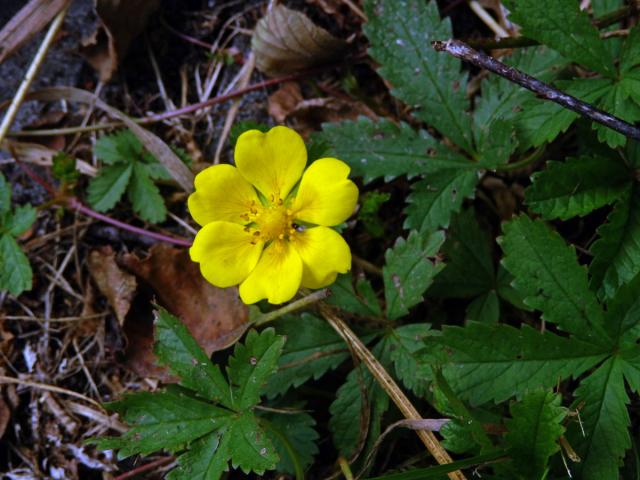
271,161
324,254
221,194
276,277
325,196
225,253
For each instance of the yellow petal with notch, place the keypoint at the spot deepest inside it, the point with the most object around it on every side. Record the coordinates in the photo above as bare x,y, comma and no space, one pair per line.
324,254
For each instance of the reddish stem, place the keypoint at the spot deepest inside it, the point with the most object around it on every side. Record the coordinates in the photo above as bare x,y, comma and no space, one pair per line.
75,204
144,468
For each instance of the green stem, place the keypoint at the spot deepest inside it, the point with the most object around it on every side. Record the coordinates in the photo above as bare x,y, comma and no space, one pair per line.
346,469
510,167
292,307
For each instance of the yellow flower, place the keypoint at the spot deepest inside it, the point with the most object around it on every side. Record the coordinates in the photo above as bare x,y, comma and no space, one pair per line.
265,223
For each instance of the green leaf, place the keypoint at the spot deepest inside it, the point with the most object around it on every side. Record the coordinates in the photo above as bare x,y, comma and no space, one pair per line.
497,142
362,300
485,308
616,102
565,28
435,198
534,431
400,38
548,275
176,348
384,149
145,196
120,147
502,99
20,221
541,121
410,367
64,168
5,195
622,319
493,362
162,420
311,350
15,270
605,421
251,365
108,186
352,411
469,269
630,57
207,459
368,213
616,254
409,270
250,446
577,186
295,440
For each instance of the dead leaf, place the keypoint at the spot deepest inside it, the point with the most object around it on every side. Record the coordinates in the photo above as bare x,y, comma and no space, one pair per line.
215,316
32,18
117,285
42,155
119,23
159,149
284,101
285,41
5,415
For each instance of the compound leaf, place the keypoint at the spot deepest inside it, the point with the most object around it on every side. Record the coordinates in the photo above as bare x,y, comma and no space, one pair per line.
15,271
145,196
107,187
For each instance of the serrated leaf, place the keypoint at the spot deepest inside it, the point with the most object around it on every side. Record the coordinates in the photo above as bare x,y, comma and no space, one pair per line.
176,348
616,102
384,149
565,28
351,411
295,440
534,431
502,99
457,436
15,270
630,55
494,362
20,220
145,196
108,186
616,254
577,186
162,420
312,349
411,368
250,447
362,300
497,142
469,269
605,421
400,35
120,147
207,459
5,195
409,270
548,275
485,308
251,365
542,121
435,198
622,318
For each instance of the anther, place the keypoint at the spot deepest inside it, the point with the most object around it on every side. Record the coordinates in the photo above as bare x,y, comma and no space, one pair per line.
280,202
256,233
281,236
247,229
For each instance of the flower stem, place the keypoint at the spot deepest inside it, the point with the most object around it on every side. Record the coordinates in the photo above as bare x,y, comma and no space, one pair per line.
293,306
75,204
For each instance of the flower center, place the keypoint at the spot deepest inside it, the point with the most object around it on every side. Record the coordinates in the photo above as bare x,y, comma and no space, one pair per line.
273,222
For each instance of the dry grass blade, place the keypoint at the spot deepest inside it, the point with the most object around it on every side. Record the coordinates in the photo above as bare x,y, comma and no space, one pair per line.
390,386
178,170
41,155
286,41
26,23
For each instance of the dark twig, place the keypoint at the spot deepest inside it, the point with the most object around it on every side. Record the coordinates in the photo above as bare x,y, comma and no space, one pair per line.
145,468
465,52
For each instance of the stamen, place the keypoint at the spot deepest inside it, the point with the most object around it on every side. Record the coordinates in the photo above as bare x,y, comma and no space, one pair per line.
256,233
280,202
281,236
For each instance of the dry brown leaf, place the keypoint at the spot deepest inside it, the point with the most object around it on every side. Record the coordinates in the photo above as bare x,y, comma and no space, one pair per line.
5,415
117,285
284,101
119,23
286,41
176,168
215,317
27,23
38,154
